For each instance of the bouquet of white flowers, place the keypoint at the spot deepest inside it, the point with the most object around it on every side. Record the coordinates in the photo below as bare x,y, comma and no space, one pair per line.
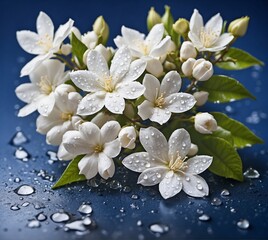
96,102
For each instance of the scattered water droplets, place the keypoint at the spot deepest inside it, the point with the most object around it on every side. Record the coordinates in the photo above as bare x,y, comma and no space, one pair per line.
216,202
85,209
251,173
59,217
34,224
24,190
15,207
18,139
204,218
158,229
22,154
243,224
41,217
225,192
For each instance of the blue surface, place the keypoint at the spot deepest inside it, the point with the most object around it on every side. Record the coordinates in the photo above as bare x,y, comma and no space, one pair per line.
115,212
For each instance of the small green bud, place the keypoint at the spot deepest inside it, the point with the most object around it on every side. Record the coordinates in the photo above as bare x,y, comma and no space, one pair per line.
239,26
181,26
153,18
101,28
167,19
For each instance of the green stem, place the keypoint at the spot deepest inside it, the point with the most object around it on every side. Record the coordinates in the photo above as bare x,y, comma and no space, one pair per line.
62,59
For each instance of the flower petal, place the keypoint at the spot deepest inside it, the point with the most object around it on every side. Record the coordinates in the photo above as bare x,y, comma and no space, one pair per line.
131,90
198,164
194,185
109,131
115,103
97,64
196,41
46,104
223,40
86,80
63,154
155,35
91,104
106,166
162,48
27,92
34,63
44,124
112,149
179,144
152,87
214,25
180,102
75,144
132,38
171,83
90,133
44,25
55,71
154,66
28,41
88,166
145,110
160,115
196,23
170,185
155,143
152,176
120,63
28,109
139,162
54,135
62,32
136,69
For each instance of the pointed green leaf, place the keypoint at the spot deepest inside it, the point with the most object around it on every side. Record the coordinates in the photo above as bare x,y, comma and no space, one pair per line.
224,134
78,49
241,135
226,161
239,60
71,174
224,89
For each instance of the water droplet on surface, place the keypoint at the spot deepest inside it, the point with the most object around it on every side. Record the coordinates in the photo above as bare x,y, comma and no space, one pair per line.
77,225
126,189
52,157
22,154
139,223
15,207
18,139
243,224
85,209
34,224
216,202
135,196
87,221
94,182
225,193
59,217
114,184
25,204
17,180
41,217
158,228
251,173
204,217
24,190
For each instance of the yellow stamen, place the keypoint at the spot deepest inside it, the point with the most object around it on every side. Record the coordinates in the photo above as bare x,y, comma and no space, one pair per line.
108,84
98,148
66,116
208,37
45,42
176,164
44,85
160,101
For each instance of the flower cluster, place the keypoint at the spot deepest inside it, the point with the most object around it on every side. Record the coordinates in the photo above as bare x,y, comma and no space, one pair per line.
96,102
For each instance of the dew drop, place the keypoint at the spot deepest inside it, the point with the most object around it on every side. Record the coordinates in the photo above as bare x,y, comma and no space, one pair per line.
18,139
77,225
135,196
145,177
22,154
41,217
251,173
243,224
126,189
204,217
225,193
87,221
15,207
216,202
85,209
24,190
59,217
139,223
115,184
17,180
158,229
25,204
34,224
199,187
187,179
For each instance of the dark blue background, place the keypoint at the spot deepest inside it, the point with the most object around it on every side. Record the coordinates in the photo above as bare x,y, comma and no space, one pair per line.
249,198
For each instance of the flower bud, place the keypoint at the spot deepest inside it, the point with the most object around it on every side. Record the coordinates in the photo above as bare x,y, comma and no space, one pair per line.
101,28
105,52
205,123
187,67
193,150
66,49
181,26
201,98
90,39
169,66
167,18
202,70
76,32
127,137
187,51
153,18
239,26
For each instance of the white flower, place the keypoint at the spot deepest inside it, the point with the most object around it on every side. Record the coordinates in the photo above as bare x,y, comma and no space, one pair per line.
164,99
127,137
208,37
187,67
187,51
39,94
107,87
202,70
62,118
43,43
98,145
153,49
205,123
193,150
165,163
201,98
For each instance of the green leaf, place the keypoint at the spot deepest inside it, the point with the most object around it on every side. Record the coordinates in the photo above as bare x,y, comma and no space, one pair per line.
239,59
78,49
226,161
71,174
224,134
241,135
224,89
